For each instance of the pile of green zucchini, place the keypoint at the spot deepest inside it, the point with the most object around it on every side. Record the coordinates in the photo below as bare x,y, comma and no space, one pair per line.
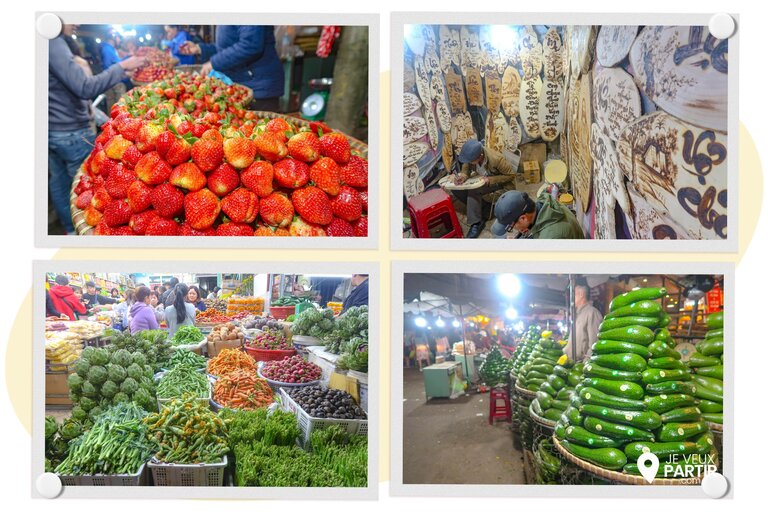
524,349
555,394
541,362
636,396
707,365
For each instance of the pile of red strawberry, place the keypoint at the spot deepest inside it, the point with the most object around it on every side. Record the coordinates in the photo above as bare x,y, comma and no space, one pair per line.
159,65
183,159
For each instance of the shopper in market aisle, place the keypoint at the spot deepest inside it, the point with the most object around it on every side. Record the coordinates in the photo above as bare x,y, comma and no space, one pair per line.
64,299
180,312
122,309
544,218
114,293
214,293
157,306
93,299
195,298
70,135
143,316
166,299
359,295
588,320
110,57
247,55
175,38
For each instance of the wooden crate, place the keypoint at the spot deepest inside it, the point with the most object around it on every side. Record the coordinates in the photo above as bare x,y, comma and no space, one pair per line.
57,389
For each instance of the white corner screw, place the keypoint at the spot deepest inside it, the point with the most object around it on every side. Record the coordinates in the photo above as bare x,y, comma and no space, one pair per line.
714,485
722,25
48,485
49,25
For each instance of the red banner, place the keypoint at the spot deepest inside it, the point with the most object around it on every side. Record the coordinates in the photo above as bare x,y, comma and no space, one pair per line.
715,299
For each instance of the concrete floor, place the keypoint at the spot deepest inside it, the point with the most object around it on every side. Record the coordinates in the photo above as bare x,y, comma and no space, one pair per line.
450,441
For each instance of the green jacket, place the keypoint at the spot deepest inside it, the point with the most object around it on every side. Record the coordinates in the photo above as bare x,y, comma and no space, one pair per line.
554,221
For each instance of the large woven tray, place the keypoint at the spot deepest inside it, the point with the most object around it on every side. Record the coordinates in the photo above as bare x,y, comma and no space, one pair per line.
716,428
78,215
524,392
615,476
544,422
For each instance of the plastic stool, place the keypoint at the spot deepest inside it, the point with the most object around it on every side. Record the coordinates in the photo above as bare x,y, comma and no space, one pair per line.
433,215
499,411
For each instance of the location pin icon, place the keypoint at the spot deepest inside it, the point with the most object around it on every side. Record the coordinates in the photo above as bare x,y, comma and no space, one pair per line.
648,464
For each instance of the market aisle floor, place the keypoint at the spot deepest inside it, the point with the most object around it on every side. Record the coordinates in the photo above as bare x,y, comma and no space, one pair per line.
450,441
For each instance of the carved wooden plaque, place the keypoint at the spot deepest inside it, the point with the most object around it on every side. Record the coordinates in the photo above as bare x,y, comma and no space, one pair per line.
454,85
432,131
411,103
414,128
615,99
579,113
475,88
492,91
551,110
510,92
607,185
554,56
422,81
530,96
531,54
443,116
412,153
613,43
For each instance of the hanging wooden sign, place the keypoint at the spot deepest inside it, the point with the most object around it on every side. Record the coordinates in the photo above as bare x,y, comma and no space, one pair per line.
474,50
531,55
454,85
445,48
551,110
456,48
492,91
530,96
422,81
495,132
554,56
432,61
510,92
607,185
464,61
514,134
475,88
410,181
462,130
436,88
411,103
447,150
582,46
490,54
681,169
651,224
412,153
443,115
430,41
432,131
684,70
414,38
616,100
579,130
613,43
414,128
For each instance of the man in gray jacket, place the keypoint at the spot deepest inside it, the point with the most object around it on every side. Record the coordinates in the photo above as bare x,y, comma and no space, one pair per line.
588,320
70,137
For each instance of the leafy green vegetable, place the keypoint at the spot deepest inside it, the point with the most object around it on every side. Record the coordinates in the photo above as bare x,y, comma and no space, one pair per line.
97,375
314,322
187,335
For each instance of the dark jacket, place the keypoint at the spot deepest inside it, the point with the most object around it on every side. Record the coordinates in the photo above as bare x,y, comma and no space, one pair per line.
65,301
70,89
247,55
358,297
554,221
200,305
142,318
97,300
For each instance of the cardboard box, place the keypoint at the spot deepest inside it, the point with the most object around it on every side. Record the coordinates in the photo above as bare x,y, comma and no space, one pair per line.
531,172
214,348
57,389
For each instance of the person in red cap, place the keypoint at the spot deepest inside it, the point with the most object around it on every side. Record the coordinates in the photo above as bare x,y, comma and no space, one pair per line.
64,299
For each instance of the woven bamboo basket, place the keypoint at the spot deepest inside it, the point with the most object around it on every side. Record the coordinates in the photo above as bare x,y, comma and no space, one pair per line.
524,392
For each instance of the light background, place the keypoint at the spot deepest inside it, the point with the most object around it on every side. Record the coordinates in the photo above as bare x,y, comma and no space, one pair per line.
19,251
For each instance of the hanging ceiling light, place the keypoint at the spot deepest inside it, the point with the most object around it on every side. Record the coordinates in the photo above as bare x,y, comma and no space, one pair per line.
439,322
508,284
511,313
420,321
456,324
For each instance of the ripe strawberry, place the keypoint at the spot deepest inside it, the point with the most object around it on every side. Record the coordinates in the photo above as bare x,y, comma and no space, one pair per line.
131,156
107,133
355,173
364,198
213,134
93,216
326,174
223,180
300,227
101,199
147,136
123,231
319,128
304,146
276,210
339,227
361,226
258,178
152,169
187,176
241,205
201,209
278,127
83,200
187,230
269,147
116,147
162,227
207,154
198,129
128,126
103,230
270,231
117,213
167,200
140,221
102,165
347,205
239,152
163,142
139,196
85,183
118,182
336,146
234,229
291,173
313,205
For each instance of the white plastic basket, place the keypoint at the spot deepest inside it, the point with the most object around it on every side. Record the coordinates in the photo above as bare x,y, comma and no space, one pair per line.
128,480
308,424
188,475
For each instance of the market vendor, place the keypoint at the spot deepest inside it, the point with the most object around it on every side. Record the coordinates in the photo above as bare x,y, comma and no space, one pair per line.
498,176
359,295
588,320
175,38
180,312
195,298
93,299
70,135
64,300
247,55
544,218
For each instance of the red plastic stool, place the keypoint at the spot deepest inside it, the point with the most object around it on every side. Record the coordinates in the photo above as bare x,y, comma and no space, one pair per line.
433,215
504,410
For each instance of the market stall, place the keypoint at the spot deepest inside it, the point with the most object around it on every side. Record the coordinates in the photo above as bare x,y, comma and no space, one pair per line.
650,380
214,401
626,126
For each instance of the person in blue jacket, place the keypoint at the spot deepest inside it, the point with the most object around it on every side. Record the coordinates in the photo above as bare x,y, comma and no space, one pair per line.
247,55
175,39
109,57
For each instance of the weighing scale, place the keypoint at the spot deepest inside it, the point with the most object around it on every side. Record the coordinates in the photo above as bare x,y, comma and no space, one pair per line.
314,106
